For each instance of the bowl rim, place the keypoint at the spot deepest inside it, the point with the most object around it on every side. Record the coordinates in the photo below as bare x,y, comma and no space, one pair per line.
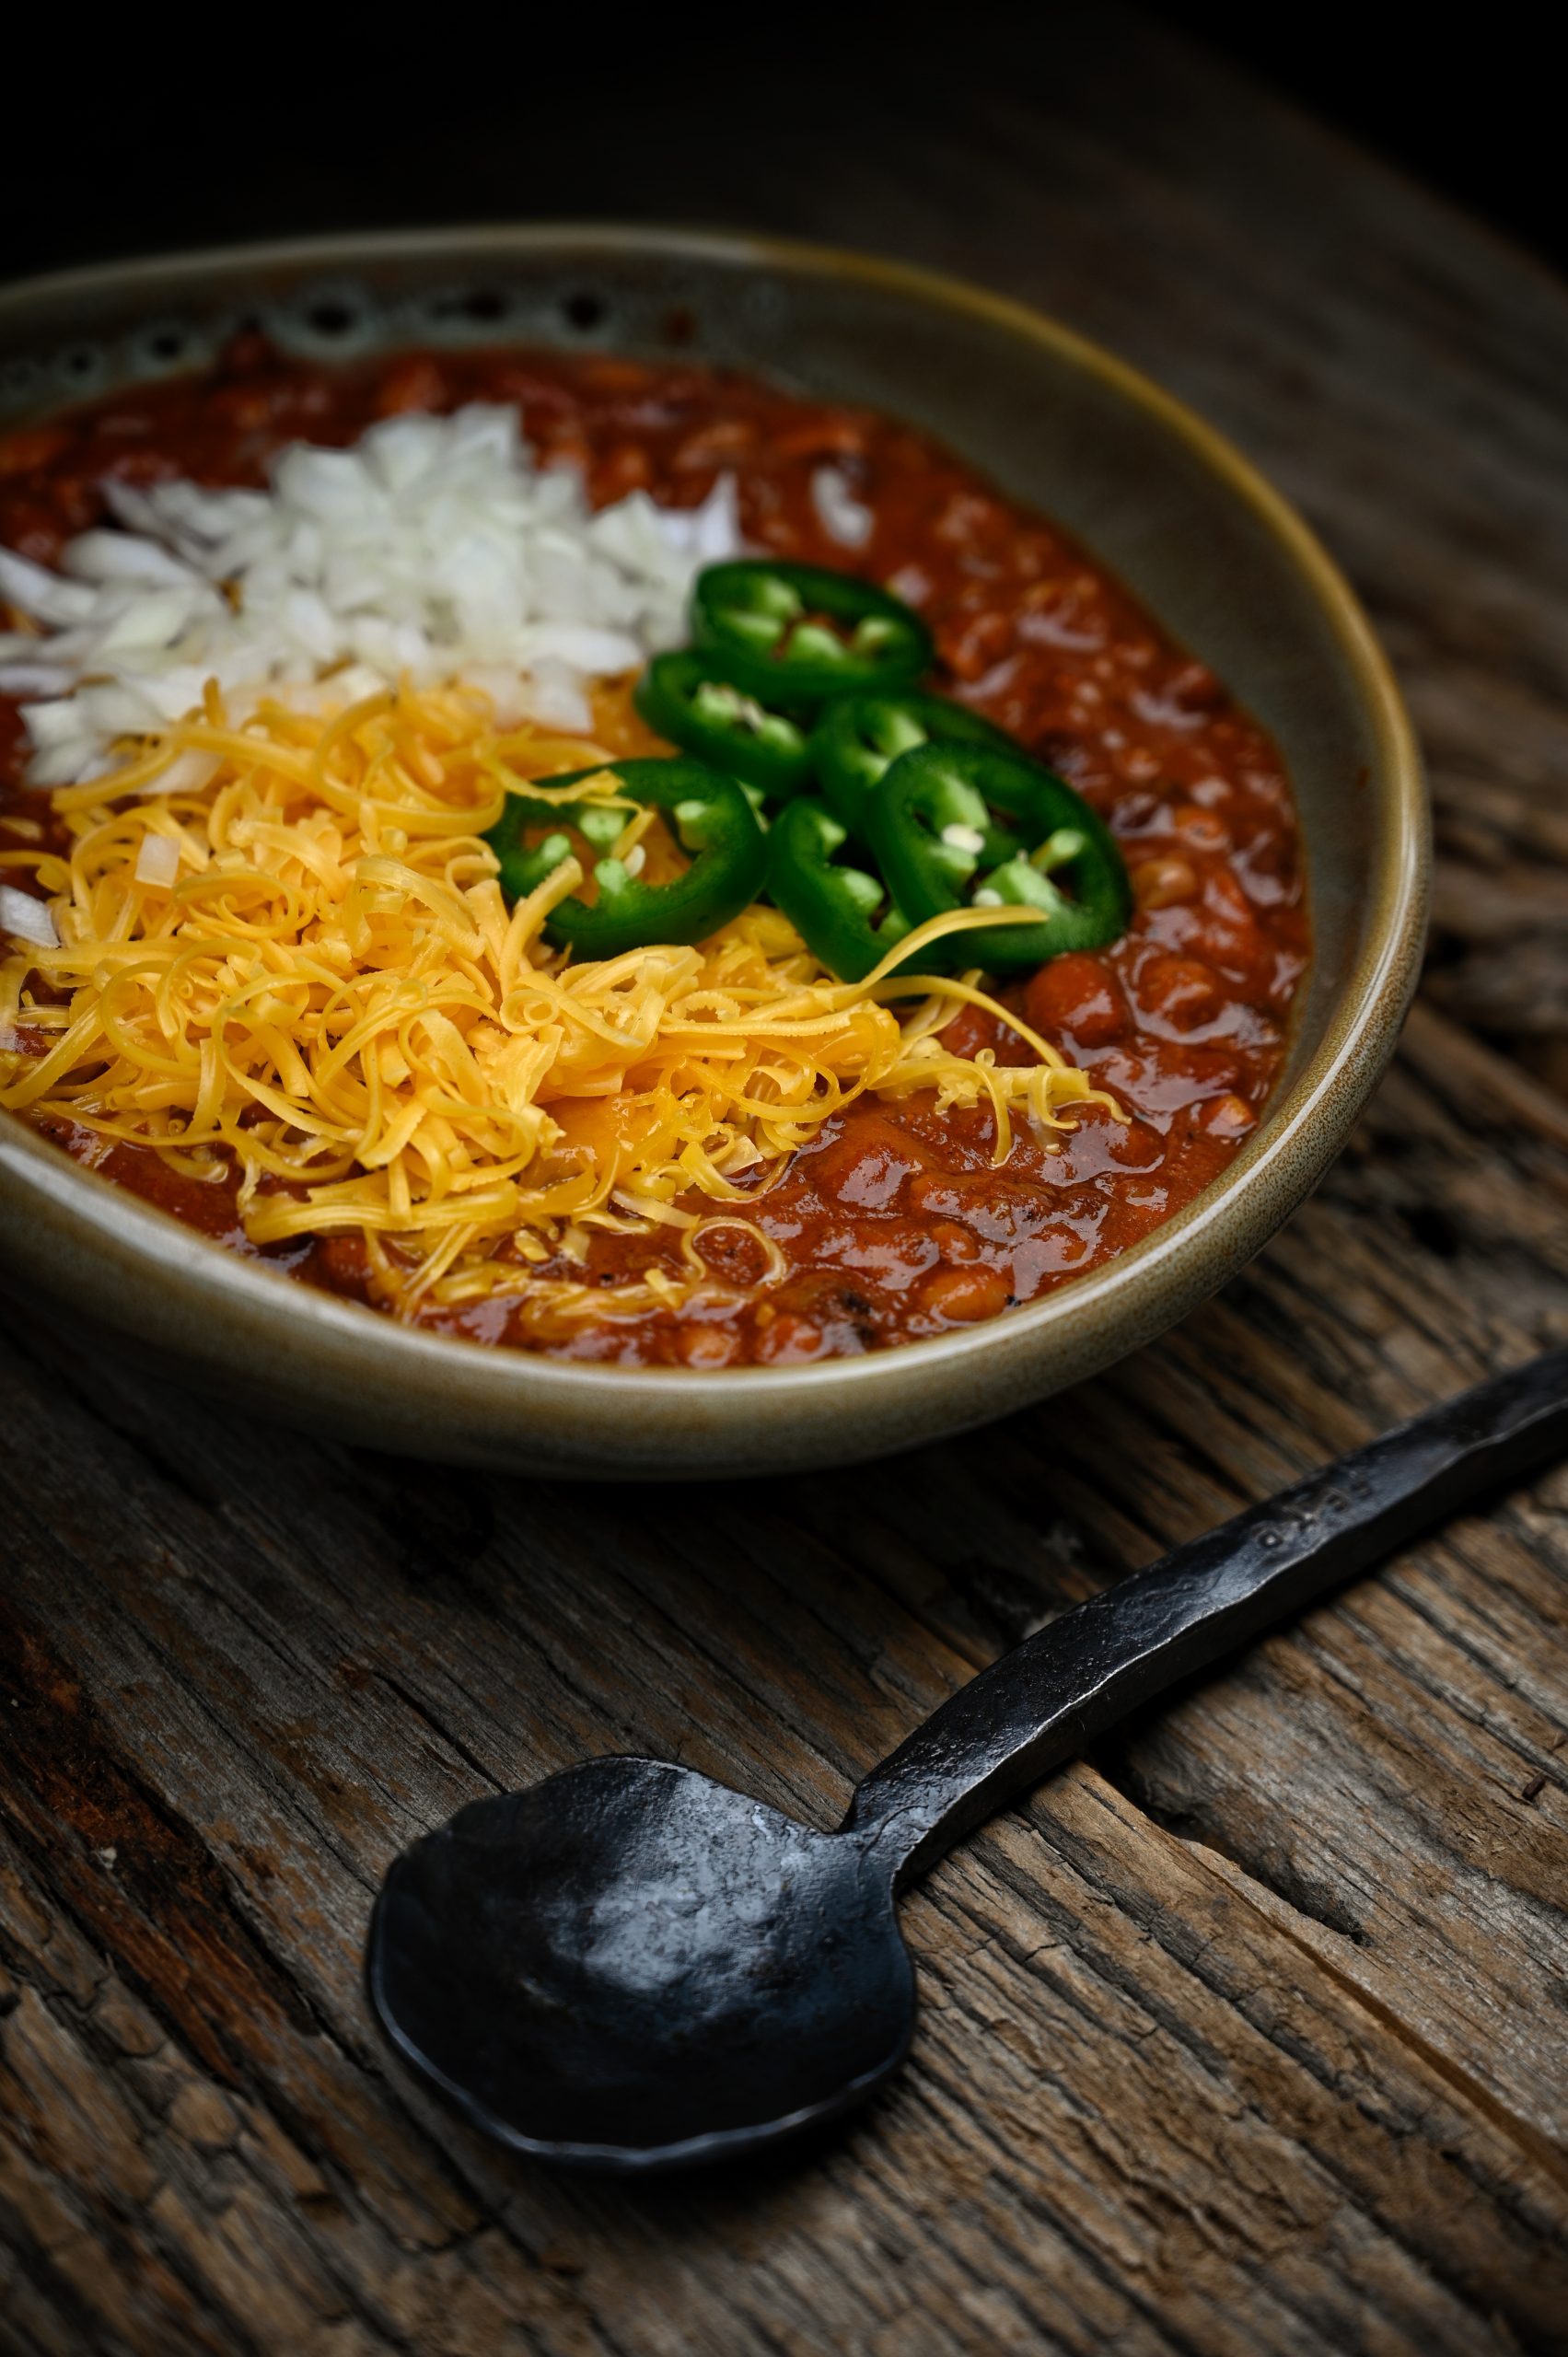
1303,1129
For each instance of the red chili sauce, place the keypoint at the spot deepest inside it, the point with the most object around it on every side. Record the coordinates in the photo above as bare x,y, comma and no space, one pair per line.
893,1223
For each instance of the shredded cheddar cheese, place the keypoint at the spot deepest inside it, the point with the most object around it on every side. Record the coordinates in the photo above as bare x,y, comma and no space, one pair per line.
283,951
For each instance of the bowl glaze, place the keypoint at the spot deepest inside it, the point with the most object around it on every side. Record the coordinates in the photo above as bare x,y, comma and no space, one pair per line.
1060,426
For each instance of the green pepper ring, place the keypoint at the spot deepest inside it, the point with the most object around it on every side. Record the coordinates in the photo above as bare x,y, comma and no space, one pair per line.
920,867
830,907
524,868
849,768
668,696
742,611
726,874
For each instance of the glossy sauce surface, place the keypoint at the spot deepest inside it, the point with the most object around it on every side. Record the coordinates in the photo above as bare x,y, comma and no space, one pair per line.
893,1223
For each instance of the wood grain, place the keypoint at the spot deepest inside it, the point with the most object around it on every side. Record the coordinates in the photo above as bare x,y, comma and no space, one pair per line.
1250,2034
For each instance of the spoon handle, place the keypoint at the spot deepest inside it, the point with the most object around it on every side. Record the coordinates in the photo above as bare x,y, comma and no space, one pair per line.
1041,1702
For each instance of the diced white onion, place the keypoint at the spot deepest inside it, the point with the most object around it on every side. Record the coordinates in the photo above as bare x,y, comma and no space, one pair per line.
125,556
34,590
964,838
28,919
553,693
188,773
158,862
34,679
844,518
434,548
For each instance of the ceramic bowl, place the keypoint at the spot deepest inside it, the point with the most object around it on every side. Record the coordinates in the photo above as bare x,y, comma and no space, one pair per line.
1059,425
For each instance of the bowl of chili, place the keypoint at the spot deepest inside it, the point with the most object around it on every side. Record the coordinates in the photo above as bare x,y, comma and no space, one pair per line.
907,731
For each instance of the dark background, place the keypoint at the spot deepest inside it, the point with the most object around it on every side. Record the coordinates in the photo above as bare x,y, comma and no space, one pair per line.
1466,101
177,136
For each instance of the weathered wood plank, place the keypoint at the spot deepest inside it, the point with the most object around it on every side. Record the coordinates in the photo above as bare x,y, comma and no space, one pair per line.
1245,2035
215,1629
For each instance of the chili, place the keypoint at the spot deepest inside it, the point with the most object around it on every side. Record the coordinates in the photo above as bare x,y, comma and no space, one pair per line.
686,699
524,866
843,915
896,1207
934,832
858,735
710,819
800,634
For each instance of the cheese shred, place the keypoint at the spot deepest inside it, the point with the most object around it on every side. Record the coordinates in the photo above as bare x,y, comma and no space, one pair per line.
282,952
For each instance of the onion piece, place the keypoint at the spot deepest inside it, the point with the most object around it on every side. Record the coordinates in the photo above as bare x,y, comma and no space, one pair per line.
842,516
27,919
158,862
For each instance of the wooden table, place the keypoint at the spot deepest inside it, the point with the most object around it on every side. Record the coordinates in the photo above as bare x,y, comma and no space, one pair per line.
1249,2034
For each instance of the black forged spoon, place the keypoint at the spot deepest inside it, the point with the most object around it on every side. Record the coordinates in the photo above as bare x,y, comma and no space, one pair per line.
630,1967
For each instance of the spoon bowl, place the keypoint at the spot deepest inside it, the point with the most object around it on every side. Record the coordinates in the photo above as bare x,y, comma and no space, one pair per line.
631,1966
